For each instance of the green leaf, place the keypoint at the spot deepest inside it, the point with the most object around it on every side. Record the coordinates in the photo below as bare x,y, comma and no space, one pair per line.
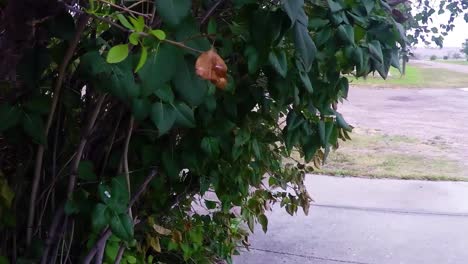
9,116
252,59
112,249
39,104
375,50
305,47
185,32
131,259
293,8
210,145
342,123
34,127
163,116
133,38
211,29
242,137
124,22
368,5
6,193
210,204
256,149
143,57
306,81
117,53
160,68
71,207
279,62
184,115
104,192
122,226
263,220
100,217
119,191
86,171
165,93
139,23
188,85
4,260
159,34
173,11
346,34
93,63
141,108
334,6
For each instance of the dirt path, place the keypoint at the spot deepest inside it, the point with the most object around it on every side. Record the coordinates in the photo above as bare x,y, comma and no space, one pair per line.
428,114
441,65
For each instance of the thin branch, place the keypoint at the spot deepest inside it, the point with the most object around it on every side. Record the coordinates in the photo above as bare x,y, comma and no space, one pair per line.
120,253
210,12
102,240
67,256
100,253
82,21
84,139
51,234
112,140
125,159
143,34
125,9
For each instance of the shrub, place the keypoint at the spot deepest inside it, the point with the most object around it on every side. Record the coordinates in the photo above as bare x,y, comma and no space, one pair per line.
433,57
135,131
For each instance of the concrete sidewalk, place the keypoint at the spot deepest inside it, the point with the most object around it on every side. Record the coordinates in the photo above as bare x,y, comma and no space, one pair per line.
369,221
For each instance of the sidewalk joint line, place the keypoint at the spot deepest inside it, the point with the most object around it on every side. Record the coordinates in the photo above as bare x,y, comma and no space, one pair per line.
389,210
309,256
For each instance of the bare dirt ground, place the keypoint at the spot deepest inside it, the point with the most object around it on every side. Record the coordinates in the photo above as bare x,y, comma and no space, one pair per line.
430,115
441,65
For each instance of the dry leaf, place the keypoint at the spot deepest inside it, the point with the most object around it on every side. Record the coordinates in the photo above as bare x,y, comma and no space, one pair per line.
210,66
161,230
154,243
176,237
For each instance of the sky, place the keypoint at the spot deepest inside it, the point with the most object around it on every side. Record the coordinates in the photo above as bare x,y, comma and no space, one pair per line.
454,38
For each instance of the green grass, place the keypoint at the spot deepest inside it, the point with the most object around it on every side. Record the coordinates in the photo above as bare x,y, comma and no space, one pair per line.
458,62
416,77
383,156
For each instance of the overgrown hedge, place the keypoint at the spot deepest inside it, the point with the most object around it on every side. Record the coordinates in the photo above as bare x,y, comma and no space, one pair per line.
118,146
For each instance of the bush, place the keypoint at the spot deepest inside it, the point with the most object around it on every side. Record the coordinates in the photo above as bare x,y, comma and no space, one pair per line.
445,57
457,56
126,133
433,57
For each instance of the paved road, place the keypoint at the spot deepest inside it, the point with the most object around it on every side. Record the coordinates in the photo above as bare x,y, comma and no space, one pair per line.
427,114
441,65
369,222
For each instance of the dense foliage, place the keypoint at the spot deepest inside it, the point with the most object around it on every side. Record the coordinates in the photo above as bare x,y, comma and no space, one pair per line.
115,147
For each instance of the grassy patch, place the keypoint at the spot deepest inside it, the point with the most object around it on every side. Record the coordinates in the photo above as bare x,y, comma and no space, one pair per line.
458,62
416,77
382,156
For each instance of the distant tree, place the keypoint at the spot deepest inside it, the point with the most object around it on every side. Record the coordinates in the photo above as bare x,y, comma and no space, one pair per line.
446,57
456,55
465,48
433,57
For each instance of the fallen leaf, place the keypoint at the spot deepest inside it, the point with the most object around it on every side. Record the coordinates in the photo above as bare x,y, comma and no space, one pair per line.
210,66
